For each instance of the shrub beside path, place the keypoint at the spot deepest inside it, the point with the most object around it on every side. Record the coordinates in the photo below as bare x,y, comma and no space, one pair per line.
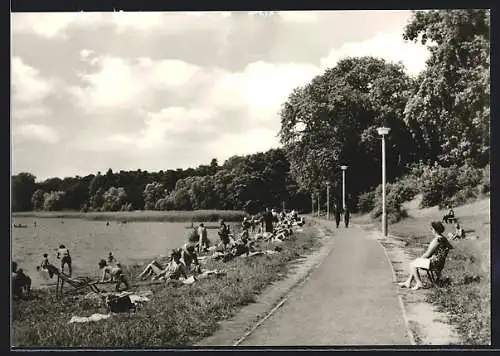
349,299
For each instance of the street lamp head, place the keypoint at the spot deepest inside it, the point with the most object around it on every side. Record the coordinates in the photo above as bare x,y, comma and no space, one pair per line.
343,168
383,131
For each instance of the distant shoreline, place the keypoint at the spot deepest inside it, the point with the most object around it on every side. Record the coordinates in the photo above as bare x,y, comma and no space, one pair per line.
142,215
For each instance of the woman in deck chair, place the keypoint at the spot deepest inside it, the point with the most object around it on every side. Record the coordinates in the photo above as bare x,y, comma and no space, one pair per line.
433,257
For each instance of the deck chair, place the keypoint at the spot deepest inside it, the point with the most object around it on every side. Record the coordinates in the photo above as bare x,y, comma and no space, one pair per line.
434,274
77,283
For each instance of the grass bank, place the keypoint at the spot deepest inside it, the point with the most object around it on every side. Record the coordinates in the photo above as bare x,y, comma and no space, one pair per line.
176,316
147,215
465,292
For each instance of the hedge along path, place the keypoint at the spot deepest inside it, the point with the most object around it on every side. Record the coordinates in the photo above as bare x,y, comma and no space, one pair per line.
234,331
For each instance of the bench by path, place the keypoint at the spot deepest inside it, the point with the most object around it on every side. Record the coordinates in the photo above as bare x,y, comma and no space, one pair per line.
350,299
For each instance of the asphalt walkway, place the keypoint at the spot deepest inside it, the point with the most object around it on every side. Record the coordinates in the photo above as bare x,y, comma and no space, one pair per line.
349,299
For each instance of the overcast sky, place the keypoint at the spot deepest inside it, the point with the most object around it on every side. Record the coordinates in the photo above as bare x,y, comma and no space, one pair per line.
92,91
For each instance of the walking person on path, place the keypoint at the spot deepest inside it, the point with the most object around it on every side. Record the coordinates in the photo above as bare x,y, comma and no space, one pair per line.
347,216
337,212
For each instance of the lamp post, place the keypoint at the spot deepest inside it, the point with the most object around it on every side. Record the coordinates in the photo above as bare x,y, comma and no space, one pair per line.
327,200
343,168
382,131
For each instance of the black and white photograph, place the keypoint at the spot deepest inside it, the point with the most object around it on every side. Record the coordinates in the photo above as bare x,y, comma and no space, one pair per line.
207,179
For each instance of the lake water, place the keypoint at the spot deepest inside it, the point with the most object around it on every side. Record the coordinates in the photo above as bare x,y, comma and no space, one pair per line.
89,241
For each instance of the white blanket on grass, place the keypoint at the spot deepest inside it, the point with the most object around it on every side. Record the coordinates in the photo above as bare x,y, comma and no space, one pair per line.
86,319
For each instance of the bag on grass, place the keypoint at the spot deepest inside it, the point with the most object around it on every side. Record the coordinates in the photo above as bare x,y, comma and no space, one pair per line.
119,304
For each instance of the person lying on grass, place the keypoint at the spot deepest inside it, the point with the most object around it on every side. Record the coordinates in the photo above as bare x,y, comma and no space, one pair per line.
113,274
174,269
433,258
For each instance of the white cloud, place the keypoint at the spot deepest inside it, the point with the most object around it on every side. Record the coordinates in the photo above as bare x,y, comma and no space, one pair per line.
251,141
47,25
85,54
28,84
24,113
260,88
55,25
42,133
126,83
163,128
389,46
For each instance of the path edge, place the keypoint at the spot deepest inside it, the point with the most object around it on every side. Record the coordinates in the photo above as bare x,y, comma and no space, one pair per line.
411,336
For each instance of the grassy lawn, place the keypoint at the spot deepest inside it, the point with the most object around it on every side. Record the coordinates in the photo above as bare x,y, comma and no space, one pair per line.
147,215
176,316
465,293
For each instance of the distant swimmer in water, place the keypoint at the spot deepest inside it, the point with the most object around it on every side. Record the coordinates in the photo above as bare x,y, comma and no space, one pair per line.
63,254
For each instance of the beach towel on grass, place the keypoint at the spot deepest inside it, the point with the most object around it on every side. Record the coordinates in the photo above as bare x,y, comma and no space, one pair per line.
93,317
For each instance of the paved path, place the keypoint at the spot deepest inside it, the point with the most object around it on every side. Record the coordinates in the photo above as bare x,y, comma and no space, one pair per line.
349,299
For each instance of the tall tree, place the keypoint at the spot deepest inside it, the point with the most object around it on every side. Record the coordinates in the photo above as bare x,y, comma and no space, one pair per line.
449,112
332,121
23,187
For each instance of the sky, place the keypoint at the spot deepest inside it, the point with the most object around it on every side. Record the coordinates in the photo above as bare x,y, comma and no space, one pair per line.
157,91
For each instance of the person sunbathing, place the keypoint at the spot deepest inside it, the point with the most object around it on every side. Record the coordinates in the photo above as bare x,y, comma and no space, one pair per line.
175,269
434,256
113,274
152,269
459,233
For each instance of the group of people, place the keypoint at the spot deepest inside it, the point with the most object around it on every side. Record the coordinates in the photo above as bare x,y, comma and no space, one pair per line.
338,211
183,262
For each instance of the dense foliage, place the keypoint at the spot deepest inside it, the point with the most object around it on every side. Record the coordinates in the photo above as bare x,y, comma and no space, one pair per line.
440,118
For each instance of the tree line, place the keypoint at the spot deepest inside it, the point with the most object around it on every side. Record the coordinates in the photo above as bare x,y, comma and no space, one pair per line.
441,117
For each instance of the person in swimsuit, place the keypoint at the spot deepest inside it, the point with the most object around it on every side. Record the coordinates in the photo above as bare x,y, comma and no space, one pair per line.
63,254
